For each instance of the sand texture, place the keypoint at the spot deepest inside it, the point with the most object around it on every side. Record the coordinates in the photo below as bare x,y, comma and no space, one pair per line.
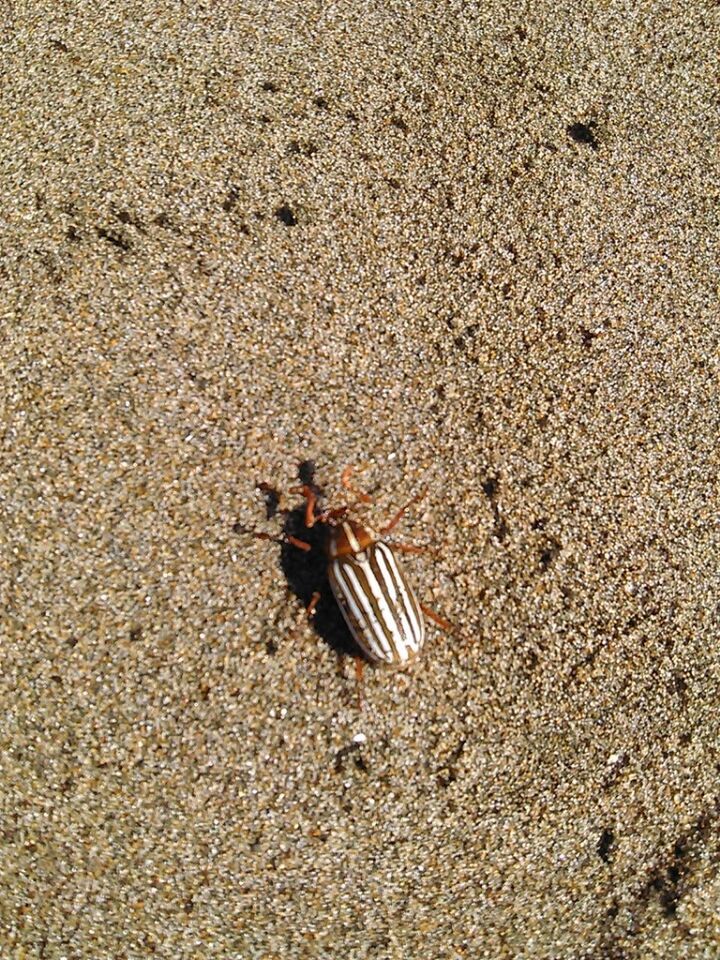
473,249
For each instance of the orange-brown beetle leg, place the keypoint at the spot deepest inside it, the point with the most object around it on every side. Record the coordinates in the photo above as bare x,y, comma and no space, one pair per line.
409,548
300,544
311,518
260,536
399,515
310,504
436,618
330,515
359,667
345,481
313,603
412,548
277,538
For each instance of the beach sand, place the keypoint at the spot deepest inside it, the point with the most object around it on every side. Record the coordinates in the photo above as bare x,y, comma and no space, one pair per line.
473,250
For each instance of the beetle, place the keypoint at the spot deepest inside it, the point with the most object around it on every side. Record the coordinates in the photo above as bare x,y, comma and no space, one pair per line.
375,597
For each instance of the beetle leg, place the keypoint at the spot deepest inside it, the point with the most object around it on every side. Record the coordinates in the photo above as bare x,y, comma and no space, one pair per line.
327,516
276,538
359,667
310,502
345,481
314,599
412,548
293,541
436,618
398,516
311,517
259,535
408,547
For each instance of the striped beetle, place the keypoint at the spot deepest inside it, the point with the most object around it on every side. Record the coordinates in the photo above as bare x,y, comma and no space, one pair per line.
374,595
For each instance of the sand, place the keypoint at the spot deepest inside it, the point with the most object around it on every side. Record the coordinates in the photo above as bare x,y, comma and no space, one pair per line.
472,249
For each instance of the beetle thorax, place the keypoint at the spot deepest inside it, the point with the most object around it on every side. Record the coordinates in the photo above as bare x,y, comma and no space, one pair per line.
349,538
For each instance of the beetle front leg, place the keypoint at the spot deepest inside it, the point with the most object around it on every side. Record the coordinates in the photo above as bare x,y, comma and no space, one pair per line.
399,515
345,481
275,537
310,503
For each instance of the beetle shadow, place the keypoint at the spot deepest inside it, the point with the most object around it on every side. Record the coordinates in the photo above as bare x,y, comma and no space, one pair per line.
306,575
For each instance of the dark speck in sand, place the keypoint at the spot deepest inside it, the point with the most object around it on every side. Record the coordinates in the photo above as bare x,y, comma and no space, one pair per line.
549,553
351,750
285,215
491,487
116,239
607,839
582,133
230,200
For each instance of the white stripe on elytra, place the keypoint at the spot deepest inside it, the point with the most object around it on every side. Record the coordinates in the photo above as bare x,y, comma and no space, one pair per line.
409,603
398,631
391,576
350,594
373,622
400,627
351,538
404,611
381,620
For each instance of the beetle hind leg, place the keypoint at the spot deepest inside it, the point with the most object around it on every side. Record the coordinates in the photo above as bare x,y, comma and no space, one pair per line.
359,668
437,619
314,600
